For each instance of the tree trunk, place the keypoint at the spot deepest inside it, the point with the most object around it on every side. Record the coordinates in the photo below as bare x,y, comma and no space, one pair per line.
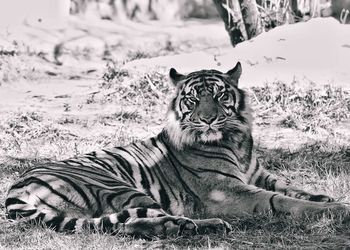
315,10
241,17
230,13
251,17
294,6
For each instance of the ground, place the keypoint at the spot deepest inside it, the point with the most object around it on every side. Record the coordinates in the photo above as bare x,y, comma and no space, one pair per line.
98,84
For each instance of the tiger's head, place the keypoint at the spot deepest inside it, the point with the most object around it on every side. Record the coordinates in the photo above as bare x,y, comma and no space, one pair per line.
208,107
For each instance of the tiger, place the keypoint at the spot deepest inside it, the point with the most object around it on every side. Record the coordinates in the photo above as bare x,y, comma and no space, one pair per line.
199,171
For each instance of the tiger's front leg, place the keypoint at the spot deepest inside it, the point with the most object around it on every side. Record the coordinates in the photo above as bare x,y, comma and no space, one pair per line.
243,199
168,225
159,227
269,182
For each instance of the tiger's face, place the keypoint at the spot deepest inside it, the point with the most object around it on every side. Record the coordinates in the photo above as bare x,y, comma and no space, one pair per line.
207,106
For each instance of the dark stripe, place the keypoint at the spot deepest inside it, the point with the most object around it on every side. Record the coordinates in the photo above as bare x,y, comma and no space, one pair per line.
178,175
257,166
163,193
271,185
76,188
272,206
213,155
141,212
97,201
87,171
93,153
55,222
111,196
126,165
101,163
74,161
123,216
264,184
254,171
40,217
163,180
258,181
173,158
131,197
54,208
89,224
144,180
164,197
230,149
155,205
70,225
185,114
106,224
30,180
14,213
194,82
213,79
219,172
120,160
143,163
241,104
12,201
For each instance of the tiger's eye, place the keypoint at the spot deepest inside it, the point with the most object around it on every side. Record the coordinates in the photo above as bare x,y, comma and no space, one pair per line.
190,103
192,99
223,96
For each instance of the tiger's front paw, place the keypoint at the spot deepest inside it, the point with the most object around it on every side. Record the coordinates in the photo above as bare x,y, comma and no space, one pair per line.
214,225
321,198
314,197
161,227
180,226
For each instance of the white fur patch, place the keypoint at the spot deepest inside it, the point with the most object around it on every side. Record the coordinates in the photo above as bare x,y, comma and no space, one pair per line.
217,195
151,213
79,225
97,221
114,218
211,136
178,137
181,138
64,222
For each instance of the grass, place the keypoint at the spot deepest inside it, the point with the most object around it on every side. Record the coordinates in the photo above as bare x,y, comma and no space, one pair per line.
303,108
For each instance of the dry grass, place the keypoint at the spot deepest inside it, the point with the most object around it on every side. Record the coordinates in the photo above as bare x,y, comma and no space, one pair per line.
304,107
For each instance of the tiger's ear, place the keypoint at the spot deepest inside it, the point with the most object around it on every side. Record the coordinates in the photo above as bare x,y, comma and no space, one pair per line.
235,73
175,77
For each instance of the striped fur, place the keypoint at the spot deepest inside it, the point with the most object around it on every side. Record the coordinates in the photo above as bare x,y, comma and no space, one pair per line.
202,164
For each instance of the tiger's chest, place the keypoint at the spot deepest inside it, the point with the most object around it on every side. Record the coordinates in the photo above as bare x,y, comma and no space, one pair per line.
203,176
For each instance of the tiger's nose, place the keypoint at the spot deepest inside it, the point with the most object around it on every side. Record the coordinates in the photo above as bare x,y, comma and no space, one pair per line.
208,120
